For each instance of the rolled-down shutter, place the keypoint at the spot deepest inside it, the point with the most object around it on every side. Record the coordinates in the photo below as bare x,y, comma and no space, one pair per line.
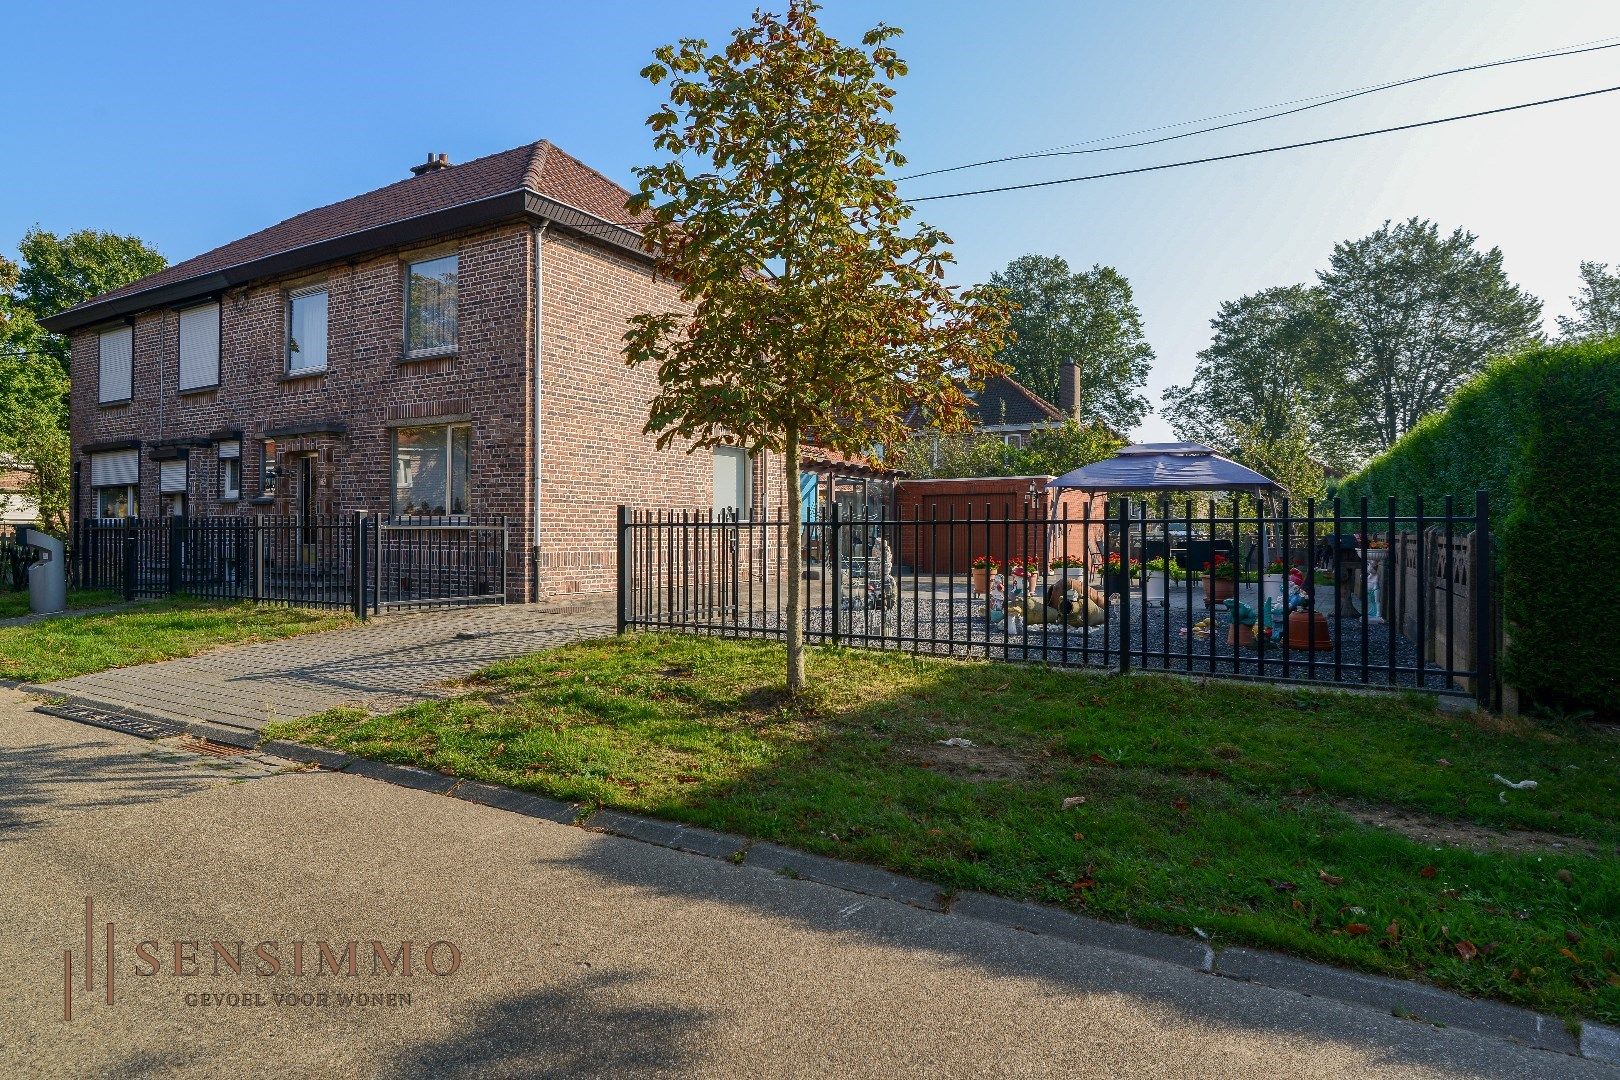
117,362
199,347
172,477
230,449
115,469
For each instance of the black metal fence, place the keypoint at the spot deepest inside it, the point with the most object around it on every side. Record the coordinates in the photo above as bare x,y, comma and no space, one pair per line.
367,563
1353,595
13,563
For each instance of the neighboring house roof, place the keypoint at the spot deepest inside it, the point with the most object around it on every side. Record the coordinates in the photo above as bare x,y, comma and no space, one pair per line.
536,179
853,464
1003,402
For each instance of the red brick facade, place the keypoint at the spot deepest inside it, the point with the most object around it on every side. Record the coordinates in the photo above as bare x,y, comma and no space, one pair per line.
592,451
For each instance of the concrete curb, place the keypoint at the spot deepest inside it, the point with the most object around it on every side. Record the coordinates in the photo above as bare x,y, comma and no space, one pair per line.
1416,1001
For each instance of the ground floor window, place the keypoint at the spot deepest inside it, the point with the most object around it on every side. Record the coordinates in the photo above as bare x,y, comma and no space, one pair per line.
230,470
117,502
430,470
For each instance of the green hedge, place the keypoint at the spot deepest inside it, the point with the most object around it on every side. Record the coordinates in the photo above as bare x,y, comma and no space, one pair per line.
1541,433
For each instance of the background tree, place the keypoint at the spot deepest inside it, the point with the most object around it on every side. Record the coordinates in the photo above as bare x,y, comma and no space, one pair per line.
1420,313
57,272
60,271
1597,305
813,309
1285,454
1272,372
1053,451
1089,317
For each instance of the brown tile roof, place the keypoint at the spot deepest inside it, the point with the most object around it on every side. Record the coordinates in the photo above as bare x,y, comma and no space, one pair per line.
539,167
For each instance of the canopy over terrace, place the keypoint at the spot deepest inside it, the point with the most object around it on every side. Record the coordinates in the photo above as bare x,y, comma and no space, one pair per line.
1178,466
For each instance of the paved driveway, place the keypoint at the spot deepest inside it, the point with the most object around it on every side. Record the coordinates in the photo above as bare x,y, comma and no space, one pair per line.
381,665
581,954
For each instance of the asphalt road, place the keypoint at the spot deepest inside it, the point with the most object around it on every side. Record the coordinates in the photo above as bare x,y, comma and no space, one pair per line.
575,953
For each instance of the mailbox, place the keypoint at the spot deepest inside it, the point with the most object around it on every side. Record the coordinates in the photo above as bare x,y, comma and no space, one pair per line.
47,571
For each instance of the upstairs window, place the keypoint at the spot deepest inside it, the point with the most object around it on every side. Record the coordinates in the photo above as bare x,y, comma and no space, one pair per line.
117,364
430,307
430,470
306,331
199,347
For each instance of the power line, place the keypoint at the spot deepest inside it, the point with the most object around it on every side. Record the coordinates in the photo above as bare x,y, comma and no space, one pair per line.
1264,149
1066,149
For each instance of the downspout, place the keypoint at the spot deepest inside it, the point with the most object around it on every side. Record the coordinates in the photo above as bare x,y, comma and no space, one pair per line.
539,313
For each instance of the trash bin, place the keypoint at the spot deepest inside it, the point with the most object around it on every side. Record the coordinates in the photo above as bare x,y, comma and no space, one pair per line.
47,571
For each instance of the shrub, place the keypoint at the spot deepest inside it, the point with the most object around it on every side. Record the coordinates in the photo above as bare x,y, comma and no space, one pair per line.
1540,432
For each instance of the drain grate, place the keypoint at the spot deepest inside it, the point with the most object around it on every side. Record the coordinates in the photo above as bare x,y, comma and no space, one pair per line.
129,725
198,745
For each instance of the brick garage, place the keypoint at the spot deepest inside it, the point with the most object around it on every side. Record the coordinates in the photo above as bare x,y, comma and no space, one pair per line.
999,516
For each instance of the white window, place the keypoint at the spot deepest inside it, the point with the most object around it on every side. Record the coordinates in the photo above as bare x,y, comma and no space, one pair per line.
306,331
230,470
199,347
117,364
115,478
430,307
731,481
172,477
430,470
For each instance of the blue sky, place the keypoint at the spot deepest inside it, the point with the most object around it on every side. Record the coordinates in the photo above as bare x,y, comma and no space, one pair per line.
192,124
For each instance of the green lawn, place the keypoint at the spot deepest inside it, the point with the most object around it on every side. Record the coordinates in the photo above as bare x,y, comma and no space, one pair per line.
1223,807
13,604
78,644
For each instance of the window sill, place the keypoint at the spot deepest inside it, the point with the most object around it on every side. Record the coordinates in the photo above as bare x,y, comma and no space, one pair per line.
301,376
194,390
119,404
264,500
428,358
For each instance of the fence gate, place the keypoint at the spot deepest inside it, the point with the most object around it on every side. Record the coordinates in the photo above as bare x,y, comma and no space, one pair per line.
366,563
1274,590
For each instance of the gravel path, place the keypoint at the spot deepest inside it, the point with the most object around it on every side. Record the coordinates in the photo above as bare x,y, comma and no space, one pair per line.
949,622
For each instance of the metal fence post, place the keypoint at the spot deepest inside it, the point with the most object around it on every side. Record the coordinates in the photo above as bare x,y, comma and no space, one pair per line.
1484,614
357,566
1124,586
130,558
258,558
833,571
624,566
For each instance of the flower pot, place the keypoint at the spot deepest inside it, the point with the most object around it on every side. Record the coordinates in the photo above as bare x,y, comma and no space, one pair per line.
1157,585
1300,634
1218,589
1241,635
980,580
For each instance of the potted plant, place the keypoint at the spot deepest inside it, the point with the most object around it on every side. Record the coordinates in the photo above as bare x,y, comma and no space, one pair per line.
1156,576
983,566
1220,578
1118,574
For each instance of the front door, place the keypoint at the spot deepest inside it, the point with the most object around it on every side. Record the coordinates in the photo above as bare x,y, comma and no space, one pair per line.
306,509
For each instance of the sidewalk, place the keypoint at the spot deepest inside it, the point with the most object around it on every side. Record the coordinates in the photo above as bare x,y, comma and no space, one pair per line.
381,665
581,953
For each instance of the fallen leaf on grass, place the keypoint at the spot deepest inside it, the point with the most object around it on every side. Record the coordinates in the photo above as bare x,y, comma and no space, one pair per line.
1098,759
1181,805
1356,929
1073,801
1281,886
1332,881
1079,836
1565,876
1569,954
1466,949
1427,871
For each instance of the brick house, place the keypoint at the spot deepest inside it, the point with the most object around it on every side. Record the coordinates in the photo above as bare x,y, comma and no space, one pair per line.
447,345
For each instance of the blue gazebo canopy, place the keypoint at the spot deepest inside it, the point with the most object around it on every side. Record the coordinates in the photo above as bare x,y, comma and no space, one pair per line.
1175,466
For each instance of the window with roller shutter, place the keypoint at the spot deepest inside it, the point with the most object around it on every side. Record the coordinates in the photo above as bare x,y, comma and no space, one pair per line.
117,364
172,477
199,347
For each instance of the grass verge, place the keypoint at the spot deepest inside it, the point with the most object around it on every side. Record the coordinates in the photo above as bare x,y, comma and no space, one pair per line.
1223,807
14,604
60,648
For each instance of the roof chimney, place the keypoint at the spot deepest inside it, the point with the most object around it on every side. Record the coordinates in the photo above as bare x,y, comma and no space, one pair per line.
1068,401
440,161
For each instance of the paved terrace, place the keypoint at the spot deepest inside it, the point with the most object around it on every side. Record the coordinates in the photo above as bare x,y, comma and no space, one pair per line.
381,665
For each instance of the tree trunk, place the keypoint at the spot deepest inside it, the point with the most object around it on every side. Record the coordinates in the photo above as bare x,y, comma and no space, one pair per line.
795,564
